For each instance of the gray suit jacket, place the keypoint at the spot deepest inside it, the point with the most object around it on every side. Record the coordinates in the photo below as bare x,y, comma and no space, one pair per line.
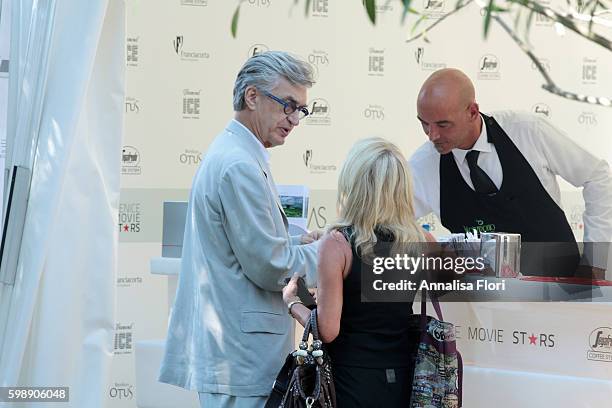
229,331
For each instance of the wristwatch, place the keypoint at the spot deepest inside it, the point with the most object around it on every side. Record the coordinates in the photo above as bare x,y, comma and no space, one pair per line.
293,302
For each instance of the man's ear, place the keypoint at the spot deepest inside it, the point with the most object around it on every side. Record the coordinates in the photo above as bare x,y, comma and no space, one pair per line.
474,111
250,97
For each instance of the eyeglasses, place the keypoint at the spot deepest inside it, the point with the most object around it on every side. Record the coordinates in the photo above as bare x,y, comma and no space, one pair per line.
289,107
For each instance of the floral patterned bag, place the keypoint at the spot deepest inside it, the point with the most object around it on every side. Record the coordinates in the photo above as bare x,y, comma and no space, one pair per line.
438,371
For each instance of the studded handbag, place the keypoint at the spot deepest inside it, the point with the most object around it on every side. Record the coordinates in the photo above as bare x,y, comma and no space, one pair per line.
305,380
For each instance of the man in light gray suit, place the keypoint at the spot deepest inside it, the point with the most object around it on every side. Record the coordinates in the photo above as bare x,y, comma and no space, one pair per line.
230,331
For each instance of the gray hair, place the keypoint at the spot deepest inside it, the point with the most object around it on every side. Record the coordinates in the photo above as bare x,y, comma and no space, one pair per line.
264,71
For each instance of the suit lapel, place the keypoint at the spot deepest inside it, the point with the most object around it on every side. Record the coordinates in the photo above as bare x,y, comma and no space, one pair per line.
250,144
272,186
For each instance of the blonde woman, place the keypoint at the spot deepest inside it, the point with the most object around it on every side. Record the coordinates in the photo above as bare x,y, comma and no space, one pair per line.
370,344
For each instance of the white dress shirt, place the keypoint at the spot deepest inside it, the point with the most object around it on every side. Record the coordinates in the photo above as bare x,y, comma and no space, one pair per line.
549,152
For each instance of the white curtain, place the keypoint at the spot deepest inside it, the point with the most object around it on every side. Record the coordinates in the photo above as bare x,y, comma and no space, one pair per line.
67,98
5,36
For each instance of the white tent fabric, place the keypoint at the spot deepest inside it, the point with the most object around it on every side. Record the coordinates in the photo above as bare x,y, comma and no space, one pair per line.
61,313
5,36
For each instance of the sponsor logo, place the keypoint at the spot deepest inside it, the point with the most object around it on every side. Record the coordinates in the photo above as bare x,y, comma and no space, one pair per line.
317,218
433,8
124,334
600,344
307,156
382,8
418,54
542,109
376,62
426,65
316,168
178,44
121,391
488,67
533,339
257,49
575,217
128,281
544,62
259,3
480,227
190,157
132,105
130,160
132,51
129,218
320,113
318,59
319,8
587,119
589,71
191,103
374,112
503,336
199,3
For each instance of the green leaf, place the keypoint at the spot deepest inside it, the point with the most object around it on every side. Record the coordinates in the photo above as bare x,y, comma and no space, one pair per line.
416,24
307,9
370,6
500,9
592,13
235,20
517,19
528,25
487,17
407,9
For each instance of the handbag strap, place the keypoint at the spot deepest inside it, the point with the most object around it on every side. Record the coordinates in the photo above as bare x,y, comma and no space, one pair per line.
435,303
312,327
281,384
307,329
314,324
317,389
460,377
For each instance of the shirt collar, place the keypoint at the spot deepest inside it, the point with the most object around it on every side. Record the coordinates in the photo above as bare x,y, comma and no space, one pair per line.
481,144
264,152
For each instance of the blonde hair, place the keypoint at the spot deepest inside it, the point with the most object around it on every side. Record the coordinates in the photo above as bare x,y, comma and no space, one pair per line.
375,194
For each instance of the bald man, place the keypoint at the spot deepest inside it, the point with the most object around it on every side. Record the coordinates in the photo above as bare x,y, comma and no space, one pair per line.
498,173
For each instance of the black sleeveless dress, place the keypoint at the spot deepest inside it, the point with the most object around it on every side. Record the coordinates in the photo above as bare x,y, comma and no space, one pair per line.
373,355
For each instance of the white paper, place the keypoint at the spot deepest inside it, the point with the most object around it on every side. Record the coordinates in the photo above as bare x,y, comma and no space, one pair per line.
294,199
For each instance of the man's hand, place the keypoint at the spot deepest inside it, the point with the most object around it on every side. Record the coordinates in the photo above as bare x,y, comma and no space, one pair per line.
290,291
311,237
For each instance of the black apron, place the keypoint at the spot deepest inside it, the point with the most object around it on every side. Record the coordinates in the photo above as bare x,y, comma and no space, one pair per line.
522,205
